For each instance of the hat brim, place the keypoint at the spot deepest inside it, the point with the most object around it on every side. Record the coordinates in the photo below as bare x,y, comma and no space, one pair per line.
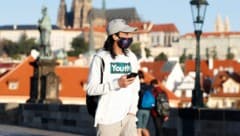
128,29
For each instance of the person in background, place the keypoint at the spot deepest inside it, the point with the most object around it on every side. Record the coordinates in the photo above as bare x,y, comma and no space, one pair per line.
158,119
117,105
142,114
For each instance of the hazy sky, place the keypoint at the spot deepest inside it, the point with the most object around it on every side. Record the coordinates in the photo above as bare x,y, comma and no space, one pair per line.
157,11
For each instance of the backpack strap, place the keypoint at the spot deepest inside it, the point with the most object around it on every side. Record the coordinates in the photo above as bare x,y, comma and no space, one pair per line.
92,101
102,69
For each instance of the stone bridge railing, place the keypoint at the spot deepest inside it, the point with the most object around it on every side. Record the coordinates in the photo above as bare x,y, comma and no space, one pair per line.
75,119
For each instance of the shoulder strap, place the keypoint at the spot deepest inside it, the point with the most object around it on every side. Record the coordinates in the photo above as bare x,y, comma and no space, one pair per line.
102,69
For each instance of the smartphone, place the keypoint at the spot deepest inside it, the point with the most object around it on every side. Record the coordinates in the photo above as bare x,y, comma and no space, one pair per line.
131,75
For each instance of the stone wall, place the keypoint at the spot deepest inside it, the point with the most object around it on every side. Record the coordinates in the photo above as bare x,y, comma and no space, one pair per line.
75,119
9,113
203,122
69,118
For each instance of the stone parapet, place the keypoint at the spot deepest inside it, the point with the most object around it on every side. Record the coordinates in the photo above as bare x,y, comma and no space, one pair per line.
69,118
75,119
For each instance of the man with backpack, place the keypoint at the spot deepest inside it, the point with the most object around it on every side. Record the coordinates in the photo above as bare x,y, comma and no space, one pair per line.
109,79
145,104
161,111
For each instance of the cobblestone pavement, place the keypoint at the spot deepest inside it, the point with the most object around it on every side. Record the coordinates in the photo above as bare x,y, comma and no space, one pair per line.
8,130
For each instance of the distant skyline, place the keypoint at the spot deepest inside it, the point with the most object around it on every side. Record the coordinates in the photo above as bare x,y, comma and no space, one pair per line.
157,11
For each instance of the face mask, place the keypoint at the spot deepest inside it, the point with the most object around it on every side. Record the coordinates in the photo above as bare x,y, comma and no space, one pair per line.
124,43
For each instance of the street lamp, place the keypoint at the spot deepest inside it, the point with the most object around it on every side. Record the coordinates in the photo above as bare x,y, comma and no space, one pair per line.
198,8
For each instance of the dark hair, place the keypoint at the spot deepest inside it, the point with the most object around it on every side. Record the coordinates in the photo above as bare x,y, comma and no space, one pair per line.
108,46
154,82
140,74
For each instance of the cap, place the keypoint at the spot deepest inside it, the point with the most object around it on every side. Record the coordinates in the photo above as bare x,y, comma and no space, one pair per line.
119,25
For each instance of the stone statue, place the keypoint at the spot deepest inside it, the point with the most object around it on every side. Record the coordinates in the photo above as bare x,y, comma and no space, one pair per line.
45,27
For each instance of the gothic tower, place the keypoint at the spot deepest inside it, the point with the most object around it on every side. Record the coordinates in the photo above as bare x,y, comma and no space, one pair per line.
86,9
76,13
61,19
80,9
219,27
227,24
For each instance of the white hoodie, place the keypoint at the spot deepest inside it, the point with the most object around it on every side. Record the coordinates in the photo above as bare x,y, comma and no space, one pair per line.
115,102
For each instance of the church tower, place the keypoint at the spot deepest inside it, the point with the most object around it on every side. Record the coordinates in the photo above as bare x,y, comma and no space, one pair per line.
61,18
219,27
76,13
86,9
227,25
81,9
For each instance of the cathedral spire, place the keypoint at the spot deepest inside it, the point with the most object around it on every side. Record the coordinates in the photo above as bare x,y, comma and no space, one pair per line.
219,27
61,19
227,24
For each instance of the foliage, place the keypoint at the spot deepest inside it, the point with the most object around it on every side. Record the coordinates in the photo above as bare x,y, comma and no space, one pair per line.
229,55
21,47
136,48
207,53
214,53
79,46
183,57
190,56
148,52
162,56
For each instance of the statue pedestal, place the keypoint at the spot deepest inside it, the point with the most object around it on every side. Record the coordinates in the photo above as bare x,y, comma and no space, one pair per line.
44,82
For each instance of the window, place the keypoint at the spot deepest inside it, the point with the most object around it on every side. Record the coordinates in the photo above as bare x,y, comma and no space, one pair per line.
13,85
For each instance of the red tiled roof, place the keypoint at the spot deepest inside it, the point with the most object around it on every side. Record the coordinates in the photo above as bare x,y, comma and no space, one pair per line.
87,29
7,65
72,80
169,93
148,77
190,66
141,26
216,34
217,64
164,28
20,73
154,68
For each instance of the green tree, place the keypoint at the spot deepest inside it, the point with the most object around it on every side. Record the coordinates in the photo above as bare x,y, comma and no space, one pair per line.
214,53
148,52
25,44
183,57
190,56
162,56
9,47
21,47
229,55
207,53
79,46
136,48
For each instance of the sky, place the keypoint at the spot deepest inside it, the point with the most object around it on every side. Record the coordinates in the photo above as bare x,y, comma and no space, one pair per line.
15,12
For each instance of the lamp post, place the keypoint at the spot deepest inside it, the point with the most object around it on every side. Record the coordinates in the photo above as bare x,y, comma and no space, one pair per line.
198,8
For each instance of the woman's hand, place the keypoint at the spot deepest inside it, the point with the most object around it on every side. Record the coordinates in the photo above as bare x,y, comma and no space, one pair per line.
123,81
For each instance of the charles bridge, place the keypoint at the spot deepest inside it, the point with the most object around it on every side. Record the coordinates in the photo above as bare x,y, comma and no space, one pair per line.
75,119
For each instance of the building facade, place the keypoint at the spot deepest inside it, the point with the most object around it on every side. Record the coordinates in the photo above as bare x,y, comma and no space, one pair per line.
82,11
